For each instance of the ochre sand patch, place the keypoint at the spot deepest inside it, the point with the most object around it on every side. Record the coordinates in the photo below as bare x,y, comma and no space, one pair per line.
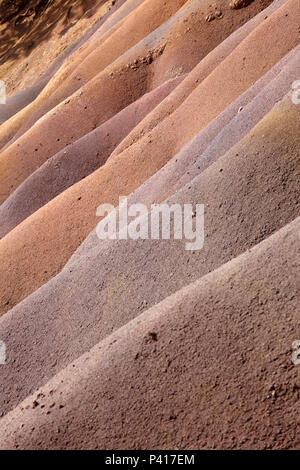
159,49
77,160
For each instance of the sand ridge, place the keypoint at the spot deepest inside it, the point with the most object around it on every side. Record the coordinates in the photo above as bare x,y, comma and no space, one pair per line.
143,344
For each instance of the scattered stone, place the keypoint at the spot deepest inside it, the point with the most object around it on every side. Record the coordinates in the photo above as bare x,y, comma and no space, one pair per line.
152,336
237,4
210,18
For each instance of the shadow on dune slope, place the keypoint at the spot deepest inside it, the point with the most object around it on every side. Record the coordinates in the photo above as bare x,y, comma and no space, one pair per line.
26,24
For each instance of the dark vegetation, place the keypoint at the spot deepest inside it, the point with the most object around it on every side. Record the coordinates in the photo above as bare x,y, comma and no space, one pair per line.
24,24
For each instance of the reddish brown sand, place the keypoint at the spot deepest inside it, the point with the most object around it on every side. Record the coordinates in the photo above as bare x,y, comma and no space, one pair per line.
200,72
143,344
271,87
234,122
65,221
104,53
77,160
42,55
109,93
117,280
36,38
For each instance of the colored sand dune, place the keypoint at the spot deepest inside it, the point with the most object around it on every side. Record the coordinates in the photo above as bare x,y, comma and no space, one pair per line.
141,343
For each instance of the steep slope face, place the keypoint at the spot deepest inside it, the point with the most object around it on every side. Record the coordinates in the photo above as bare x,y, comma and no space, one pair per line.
219,135
116,280
133,343
90,152
200,72
112,88
64,222
77,160
236,120
104,50
209,367
34,32
23,81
